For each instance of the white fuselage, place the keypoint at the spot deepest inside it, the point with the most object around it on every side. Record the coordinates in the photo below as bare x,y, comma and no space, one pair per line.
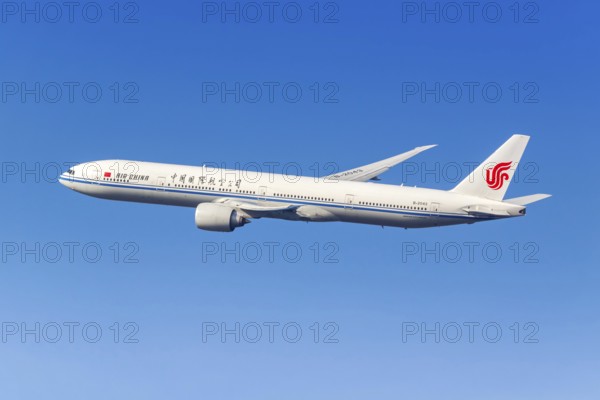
317,199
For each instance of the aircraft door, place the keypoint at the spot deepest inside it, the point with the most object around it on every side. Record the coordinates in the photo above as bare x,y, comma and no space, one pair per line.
349,202
434,208
262,193
161,183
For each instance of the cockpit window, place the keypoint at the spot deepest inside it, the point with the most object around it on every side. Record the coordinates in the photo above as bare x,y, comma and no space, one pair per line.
71,171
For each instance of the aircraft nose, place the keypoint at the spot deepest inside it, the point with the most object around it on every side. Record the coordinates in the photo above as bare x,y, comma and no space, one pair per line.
66,178
62,179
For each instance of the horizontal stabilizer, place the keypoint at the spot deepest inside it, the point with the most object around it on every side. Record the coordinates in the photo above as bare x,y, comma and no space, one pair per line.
522,201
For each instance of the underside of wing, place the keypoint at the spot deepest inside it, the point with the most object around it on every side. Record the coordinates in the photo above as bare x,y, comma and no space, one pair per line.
294,212
258,209
372,171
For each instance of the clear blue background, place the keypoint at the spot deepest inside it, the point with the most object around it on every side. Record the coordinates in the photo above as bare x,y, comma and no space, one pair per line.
372,290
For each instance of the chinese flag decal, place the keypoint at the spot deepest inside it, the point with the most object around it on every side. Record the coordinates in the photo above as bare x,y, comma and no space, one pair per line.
107,174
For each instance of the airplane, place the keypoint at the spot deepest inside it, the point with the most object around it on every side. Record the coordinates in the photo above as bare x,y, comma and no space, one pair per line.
227,199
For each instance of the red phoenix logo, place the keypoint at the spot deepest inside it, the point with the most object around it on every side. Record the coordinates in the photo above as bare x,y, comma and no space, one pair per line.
496,175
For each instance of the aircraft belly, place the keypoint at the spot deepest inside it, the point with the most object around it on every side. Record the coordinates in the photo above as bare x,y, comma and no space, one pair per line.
397,219
385,218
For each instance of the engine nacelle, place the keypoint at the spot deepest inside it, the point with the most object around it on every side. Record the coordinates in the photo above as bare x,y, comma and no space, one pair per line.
218,217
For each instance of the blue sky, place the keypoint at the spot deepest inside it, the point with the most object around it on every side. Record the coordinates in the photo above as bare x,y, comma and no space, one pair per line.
163,282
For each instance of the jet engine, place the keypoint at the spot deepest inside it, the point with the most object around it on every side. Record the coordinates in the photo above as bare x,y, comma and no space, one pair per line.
218,217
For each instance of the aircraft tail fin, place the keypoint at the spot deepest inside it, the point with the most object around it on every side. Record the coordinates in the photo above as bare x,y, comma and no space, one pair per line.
492,177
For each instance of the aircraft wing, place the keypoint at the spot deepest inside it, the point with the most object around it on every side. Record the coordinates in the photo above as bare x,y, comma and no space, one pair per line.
372,171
